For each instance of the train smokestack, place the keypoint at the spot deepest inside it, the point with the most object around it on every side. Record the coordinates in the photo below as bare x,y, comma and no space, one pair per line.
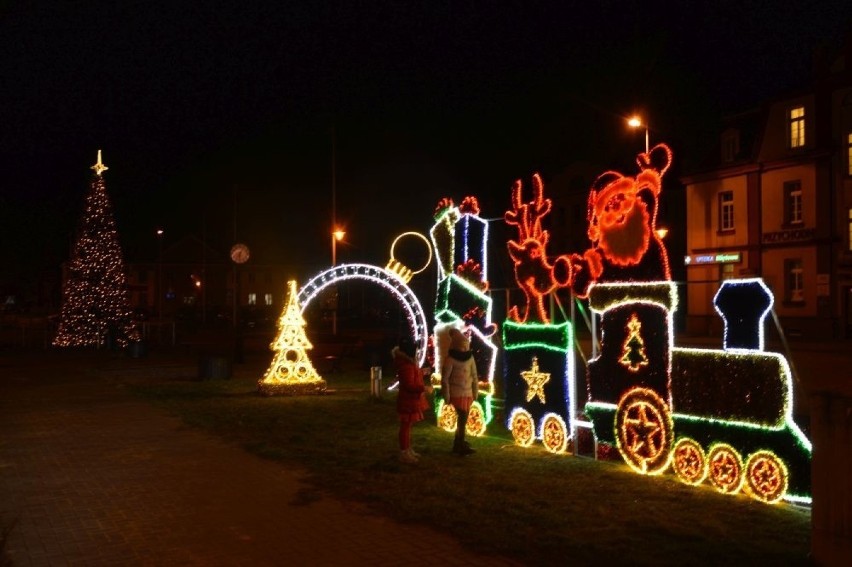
743,305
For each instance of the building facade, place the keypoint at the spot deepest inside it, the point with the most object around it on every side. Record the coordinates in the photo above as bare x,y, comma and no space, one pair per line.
778,204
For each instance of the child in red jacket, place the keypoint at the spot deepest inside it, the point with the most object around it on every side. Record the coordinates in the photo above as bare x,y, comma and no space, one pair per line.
411,396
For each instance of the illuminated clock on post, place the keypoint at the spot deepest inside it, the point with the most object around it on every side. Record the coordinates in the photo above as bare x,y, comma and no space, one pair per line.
239,253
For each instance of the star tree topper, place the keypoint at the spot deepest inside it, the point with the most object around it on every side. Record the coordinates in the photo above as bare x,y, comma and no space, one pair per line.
99,167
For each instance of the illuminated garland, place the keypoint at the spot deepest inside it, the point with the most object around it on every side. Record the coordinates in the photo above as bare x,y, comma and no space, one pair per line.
477,420
743,305
644,431
535,381
622,227
619,304
725,468
535,276
402,271
689,461
95,306
443,236
766,476
460,239
634,347
291,371
456,297
540,392
735,404
374,274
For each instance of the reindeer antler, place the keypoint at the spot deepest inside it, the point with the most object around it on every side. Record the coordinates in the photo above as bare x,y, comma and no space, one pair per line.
527,216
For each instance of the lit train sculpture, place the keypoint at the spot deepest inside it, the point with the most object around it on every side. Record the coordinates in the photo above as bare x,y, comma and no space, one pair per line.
718,414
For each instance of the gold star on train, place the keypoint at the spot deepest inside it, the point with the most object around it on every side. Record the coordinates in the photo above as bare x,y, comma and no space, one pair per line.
535,381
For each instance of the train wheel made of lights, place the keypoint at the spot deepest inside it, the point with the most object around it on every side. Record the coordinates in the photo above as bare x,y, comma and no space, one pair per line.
447,417
725,467
644,431
766,477
523,428
475,420
554,433
689,461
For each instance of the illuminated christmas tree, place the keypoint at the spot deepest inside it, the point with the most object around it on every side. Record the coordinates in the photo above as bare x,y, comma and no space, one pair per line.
95,307
634,356
291,371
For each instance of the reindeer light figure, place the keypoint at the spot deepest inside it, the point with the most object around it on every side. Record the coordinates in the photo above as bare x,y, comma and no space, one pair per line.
535,276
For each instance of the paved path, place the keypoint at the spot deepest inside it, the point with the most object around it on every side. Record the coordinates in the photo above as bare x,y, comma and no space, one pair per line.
90,475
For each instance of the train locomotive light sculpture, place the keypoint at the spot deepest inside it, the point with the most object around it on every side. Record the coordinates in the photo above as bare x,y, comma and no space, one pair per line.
460,238
723,415
718,415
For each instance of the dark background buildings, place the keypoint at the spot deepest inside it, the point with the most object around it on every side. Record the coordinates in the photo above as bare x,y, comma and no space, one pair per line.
219,118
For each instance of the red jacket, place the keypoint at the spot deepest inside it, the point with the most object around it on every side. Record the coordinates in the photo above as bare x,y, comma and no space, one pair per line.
410,398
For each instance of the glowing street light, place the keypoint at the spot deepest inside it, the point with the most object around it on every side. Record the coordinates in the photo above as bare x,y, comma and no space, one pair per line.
636,122
662,232
335,237
338,234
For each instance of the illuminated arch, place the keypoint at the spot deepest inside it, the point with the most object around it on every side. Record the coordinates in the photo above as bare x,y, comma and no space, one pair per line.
386,279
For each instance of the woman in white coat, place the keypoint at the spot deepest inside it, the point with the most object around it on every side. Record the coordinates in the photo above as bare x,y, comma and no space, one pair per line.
459,385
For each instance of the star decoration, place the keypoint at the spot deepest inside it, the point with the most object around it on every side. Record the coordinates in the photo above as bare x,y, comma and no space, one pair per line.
535,381
99,167
645,431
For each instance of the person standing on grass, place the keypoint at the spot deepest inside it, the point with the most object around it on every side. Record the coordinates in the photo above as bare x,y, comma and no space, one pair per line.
460,385
411,395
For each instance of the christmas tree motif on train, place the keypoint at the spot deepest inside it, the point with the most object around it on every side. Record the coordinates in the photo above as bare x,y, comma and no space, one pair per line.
634,356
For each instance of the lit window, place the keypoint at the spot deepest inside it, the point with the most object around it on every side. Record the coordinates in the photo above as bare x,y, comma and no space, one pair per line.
726,210
797,127
795,280
267,299
849,244
849,154
727,272
793,202
252,299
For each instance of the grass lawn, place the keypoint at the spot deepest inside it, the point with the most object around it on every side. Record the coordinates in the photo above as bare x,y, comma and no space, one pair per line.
522,503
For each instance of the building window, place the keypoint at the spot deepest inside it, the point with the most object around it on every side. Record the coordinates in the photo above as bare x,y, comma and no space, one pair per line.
849,154
849,244
797,127
793,202
726,211
267,299
252,299
726,272
795,280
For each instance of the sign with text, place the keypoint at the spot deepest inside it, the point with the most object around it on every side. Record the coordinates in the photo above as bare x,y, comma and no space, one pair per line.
712,258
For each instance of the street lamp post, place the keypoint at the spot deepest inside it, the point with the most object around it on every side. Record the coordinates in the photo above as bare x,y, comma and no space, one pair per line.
636,122
159,286
338,234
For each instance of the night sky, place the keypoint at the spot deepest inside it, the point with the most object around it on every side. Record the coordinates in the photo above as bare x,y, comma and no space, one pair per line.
201,106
